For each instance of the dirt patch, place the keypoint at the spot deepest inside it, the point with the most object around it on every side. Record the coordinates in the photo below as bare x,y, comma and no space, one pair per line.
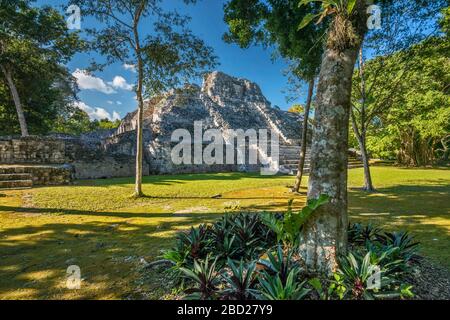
192,210
430,281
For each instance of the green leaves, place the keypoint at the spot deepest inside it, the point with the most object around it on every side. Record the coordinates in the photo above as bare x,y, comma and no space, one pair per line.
205,277
272,288
288,229
307,20
241,281
350,6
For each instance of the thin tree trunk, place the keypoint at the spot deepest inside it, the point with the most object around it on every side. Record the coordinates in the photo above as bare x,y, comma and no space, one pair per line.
16,98
361,137
368,185
324,237
140,113
301,164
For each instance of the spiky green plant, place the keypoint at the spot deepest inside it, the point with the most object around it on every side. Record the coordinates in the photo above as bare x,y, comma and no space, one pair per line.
240,281
273,288
205,279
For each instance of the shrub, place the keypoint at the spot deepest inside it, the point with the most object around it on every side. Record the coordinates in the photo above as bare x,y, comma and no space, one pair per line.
251,256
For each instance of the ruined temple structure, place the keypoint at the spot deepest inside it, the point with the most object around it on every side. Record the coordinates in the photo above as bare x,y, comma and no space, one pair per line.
223,102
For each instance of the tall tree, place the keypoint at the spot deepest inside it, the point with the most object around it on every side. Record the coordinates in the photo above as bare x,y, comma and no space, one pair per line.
275,23
325,236
415,127
165,54
34,42
404,23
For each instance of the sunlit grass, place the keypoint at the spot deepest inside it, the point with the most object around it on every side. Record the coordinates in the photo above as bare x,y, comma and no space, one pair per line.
100,227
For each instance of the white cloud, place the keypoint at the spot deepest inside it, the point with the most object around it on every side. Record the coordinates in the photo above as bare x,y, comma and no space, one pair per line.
97,113
116,116
120,83
89,82
109,102
119,103
129,67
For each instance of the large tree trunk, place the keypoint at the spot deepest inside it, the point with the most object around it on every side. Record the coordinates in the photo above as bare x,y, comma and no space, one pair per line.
301,164
325,235
15,95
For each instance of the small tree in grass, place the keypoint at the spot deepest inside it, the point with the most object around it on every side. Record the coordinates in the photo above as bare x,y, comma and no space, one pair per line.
162,48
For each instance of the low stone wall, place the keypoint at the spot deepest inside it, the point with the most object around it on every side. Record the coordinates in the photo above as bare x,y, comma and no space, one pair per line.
36,150
83,158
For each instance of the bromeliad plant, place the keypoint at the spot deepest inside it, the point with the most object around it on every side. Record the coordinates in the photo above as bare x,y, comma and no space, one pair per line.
359,234
273,287
241,281
374,276
280,263
205,279
251,256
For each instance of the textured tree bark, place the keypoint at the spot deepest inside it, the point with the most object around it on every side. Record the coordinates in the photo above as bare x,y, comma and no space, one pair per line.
325,235
301,164
15,95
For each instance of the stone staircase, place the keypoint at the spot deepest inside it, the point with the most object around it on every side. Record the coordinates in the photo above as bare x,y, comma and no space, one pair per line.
12,177
290,157
20,176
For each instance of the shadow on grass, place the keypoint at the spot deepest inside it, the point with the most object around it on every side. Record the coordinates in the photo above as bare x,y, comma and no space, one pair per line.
176,179
34,258
423,210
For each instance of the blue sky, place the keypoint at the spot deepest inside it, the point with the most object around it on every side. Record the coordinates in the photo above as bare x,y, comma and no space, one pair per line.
109,94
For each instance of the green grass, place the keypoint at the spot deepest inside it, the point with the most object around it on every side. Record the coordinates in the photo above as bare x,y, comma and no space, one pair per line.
100,227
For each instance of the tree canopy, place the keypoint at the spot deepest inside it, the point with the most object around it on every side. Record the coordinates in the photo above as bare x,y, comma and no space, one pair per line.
35,45
414,129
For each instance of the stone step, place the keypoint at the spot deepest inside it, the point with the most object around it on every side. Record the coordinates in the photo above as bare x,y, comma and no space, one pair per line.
355,166
293,162
293,166
15,176
16,184
292,156
12,170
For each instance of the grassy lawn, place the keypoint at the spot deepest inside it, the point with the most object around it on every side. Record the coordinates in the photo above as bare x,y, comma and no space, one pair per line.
99,227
